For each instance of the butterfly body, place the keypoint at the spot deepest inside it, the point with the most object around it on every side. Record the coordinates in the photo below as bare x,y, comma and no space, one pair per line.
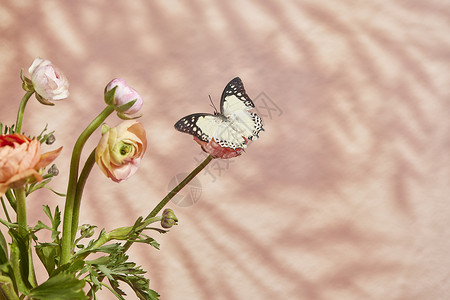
233,126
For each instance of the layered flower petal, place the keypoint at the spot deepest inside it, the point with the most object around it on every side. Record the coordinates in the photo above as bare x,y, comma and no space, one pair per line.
21,158
120,150
48,82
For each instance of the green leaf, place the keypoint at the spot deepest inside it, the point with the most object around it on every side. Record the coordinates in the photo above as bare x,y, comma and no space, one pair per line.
116,269
37,185
62,286
3,249
124,107
109,96
19,250
43,100
48,254
55,220
125,117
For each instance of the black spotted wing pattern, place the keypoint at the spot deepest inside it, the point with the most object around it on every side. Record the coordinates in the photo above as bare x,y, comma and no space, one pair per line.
191,124
233,126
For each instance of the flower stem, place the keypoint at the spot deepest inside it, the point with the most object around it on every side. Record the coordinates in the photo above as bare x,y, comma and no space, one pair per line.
172,193
79,192
66,244
23,231
21,211
21,111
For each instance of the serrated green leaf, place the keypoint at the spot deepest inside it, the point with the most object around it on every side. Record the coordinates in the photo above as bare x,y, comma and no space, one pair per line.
47,253
47,211
55,219
62,286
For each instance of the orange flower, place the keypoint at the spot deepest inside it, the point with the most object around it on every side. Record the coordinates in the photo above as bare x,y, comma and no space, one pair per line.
218,151
21,158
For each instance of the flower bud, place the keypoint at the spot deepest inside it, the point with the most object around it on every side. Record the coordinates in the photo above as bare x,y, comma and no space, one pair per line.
168,218
48,82
50,139
53,170
126,101
87,230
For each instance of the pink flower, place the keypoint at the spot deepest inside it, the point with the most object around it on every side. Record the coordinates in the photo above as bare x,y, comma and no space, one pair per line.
120,150
218,151
48,82
125,94
21,158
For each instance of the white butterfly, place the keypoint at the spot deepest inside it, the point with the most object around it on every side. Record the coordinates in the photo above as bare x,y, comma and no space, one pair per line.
233,126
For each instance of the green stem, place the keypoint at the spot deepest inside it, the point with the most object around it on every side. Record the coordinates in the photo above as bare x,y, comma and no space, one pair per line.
7,289
21,111
122,233
23,231
66,244
79,192
171,194
21,211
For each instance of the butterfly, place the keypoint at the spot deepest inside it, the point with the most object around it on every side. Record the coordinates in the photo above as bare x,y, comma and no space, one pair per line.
233,127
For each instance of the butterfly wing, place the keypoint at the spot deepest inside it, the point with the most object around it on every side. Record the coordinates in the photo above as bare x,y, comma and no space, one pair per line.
234,98
207,126
233,127
235,105
201,125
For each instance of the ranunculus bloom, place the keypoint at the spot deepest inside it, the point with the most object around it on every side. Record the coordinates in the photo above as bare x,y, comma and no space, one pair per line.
125,94
21,158
218,151
120,150
48,82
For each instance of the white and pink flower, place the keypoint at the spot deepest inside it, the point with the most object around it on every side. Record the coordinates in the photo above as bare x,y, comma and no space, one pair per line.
48,82
123,95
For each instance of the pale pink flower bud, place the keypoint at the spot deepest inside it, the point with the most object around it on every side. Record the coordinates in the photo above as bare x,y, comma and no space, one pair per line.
21,158
121,149
125,94
48,82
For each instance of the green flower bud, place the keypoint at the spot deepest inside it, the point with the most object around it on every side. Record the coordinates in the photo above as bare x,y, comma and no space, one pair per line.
87,230
168,218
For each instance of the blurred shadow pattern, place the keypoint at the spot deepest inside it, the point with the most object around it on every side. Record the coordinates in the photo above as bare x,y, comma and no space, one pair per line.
344,196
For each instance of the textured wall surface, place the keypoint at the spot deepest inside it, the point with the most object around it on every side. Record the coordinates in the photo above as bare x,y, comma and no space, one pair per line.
344,196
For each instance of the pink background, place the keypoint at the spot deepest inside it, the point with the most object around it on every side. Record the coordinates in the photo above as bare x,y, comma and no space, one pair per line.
344,196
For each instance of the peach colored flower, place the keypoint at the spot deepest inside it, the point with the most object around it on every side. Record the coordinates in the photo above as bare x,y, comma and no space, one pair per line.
21,158
48,82
218,151
120,150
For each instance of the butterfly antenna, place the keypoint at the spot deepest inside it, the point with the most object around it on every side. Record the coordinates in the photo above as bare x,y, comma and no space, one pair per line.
212,105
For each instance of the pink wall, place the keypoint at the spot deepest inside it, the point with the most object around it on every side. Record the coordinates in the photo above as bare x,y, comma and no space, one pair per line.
344,196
